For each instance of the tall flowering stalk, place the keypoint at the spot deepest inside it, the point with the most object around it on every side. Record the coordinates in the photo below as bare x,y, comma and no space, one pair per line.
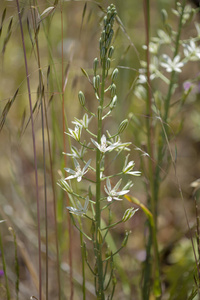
108,188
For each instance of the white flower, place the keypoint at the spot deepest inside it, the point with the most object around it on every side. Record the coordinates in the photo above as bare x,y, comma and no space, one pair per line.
191,51
78,173
128,166
80,210
82,123
77,153
172,65
76,133
113,193
103,146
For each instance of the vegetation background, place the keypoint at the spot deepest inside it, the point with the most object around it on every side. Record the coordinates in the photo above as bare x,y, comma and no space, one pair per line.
79,34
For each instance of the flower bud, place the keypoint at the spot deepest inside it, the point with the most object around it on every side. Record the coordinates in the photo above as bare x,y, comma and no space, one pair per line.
96,82
122,126
107,64
113,90
114,74
129,213
125,239
101,43
108,28
111,34
103,35
164,15
81,98
110,52
105,20
102,52
114,102
107,43
95,65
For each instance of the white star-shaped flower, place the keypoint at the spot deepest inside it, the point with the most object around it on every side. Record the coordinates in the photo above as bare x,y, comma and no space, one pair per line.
76,133
79,172
128,166
172,65
103,146
191,51
113,193
80,210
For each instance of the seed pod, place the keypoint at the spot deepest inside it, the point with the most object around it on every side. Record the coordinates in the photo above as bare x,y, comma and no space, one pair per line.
95,65
122,126
81,98
110,52
114,74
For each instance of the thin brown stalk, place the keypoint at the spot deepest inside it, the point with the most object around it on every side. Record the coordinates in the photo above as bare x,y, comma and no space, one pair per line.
34,151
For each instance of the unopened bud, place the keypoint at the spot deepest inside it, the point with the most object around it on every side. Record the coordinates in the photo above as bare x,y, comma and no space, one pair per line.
122,126
108,28
125,239
96,81
95,65
107,42
113,90
105,19
111,34
110,52
114,74
129,213
114,102
81,98
102,52
164,15
101,43
107,64
103,35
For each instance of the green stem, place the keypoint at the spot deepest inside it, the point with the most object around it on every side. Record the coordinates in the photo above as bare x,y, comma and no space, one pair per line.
100,289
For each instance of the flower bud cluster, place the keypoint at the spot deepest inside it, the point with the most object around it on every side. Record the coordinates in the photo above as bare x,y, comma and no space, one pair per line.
107,35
